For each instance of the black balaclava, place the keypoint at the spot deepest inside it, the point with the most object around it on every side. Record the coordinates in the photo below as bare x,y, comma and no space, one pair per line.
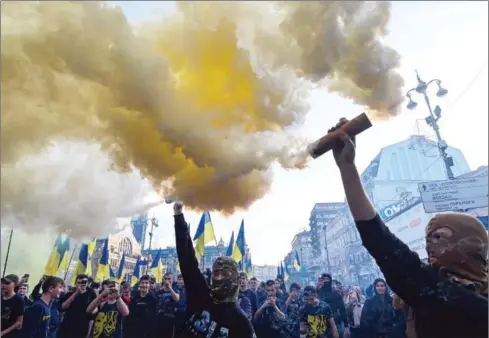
226,289
327,286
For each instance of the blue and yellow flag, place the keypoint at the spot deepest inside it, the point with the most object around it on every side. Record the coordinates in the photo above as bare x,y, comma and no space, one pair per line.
120,273
249,268
229,251
112,274
81,264
54,259
135,275
103,271
297,262
240,245
286,273
157,268
91,249
64,254
204,234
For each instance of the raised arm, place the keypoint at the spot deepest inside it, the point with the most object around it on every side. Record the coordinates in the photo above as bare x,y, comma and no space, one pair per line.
411,279
194,280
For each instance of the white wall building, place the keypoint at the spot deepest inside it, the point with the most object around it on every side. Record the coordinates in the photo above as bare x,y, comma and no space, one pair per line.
265,272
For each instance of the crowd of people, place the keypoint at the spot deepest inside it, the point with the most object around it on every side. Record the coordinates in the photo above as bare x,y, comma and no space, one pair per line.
446,298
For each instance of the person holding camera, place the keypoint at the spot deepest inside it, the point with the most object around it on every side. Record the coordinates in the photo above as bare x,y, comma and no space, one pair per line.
269,319
108,308
167,307
74,304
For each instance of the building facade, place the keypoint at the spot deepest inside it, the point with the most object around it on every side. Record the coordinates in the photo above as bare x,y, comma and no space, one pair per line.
265,272
391,182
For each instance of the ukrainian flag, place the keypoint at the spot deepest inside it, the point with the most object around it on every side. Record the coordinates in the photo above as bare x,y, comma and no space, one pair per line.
81,265
120,273
249,268
205,233
103,271
157,267
239,246
54,259
286,273
135,275
297,262
91,249
64,254
229,251
112,274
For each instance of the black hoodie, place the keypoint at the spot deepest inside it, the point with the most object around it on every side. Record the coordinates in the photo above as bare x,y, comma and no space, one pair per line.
206,319
334,300
379,318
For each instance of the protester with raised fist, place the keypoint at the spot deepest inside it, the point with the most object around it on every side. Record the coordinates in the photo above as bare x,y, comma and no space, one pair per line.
212,310
452,288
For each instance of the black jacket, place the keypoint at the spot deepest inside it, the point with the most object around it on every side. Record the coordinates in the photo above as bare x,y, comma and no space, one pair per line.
379,318
442,308
335,301
206,318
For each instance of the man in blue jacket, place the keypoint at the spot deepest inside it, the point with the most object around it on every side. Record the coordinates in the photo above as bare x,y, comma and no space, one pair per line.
37,318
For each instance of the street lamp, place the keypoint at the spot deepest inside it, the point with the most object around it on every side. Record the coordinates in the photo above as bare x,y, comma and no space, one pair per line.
326,249
432,120
154,224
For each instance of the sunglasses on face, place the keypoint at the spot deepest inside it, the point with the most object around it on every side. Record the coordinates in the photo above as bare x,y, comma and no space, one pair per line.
82,282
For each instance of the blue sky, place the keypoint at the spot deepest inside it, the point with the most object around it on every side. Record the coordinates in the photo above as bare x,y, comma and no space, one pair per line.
445,40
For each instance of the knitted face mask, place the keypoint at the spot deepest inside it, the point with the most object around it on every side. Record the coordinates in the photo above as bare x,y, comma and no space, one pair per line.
224,281
463,254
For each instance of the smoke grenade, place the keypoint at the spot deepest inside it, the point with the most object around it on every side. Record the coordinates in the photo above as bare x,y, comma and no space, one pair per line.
352,128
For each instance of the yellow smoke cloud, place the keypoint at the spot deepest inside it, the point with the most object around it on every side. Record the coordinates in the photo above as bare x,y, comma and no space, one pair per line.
200,117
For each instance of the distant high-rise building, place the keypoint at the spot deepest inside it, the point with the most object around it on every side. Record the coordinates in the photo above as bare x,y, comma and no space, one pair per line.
139,225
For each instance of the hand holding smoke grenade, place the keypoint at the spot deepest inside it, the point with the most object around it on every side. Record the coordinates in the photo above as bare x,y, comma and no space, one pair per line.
352,128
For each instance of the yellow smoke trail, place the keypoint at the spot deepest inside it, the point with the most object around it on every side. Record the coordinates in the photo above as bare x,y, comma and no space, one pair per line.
201,118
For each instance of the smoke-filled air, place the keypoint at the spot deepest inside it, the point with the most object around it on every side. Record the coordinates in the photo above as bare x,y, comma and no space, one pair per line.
200,105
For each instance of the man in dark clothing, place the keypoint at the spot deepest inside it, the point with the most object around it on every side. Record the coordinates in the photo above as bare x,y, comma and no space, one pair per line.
292,309
74,304
212,310
182,304
166,311
379,317
316,317
270,321
247,292
23,291
37,317
449,296
335,301
142,310
12,307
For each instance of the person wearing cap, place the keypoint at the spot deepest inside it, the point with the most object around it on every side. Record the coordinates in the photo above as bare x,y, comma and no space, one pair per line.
212,309
12,307
449,295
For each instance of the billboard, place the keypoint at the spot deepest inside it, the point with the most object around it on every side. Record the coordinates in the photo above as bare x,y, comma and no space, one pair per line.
323,213
410,226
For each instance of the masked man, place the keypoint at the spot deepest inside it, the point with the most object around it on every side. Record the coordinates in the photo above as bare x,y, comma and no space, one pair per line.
449,296
213,310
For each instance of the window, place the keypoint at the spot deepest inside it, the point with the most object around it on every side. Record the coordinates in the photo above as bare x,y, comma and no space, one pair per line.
125,246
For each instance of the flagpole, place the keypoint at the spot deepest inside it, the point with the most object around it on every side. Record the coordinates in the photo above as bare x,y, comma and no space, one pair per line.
8,251
69,262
